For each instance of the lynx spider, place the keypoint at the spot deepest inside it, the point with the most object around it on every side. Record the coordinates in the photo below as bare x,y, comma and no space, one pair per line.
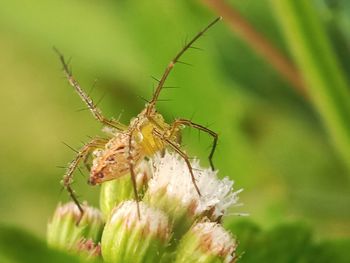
147,134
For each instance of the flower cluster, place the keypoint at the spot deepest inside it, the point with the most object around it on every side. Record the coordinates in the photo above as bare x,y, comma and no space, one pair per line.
172,223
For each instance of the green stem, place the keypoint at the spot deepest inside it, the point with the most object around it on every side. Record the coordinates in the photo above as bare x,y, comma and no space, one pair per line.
326,84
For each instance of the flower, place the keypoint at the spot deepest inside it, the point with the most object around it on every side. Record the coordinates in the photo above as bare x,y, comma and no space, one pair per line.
130,238
121,189
67,226
207,242
171,189
88,249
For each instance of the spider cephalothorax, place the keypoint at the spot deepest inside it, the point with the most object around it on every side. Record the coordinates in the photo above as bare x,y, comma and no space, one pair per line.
112,161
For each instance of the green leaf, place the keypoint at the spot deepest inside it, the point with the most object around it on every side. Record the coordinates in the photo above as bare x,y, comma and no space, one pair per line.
286,243
325,81
18,246
330,251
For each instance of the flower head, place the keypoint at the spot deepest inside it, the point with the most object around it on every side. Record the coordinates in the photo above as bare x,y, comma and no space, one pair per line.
88,248
67,226
208,241
118,190
130,238
172,178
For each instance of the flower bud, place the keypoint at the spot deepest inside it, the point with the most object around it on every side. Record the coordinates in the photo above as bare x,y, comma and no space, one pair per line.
121,189
129,238
67,227
206,242
88,249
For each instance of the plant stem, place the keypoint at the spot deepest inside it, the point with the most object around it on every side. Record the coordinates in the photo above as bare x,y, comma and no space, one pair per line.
259,43
326,84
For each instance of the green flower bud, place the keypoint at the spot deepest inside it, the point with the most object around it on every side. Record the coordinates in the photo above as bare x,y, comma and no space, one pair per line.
116,191
130,239
206,242
88,249
67,227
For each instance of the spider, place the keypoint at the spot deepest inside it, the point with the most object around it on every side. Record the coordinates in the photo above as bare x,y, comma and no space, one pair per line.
147,134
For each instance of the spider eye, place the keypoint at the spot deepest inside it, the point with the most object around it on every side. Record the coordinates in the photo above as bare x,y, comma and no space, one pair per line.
110,159
97,153
120,147
91,181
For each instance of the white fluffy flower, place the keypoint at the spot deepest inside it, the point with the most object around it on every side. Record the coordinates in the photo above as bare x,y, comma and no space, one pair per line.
170,172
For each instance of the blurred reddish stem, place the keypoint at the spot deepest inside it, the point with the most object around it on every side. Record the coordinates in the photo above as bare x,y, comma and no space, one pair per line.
239,25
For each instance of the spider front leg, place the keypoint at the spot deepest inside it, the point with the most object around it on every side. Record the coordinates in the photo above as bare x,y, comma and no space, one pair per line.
191,124
151,105
81,155
132,172
96,112
176,148
86,161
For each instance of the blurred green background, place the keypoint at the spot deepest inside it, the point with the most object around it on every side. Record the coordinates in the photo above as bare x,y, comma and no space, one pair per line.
273,142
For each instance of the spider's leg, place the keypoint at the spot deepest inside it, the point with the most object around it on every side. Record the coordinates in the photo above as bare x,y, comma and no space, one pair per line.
68,177
132,173
96,112
176,148
191,124
172,63
86,161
